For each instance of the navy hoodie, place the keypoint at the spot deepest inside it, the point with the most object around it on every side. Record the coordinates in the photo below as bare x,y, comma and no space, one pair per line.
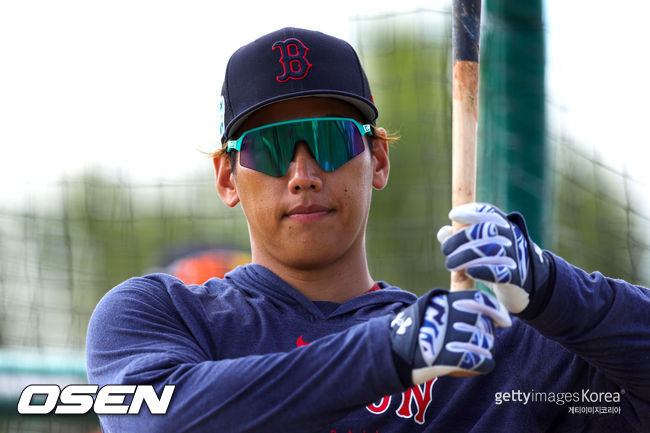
249,353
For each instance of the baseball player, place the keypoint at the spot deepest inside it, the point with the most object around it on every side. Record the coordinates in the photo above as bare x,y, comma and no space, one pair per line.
304,339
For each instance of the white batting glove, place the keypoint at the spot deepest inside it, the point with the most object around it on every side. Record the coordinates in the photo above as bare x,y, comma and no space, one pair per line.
496,249
445,333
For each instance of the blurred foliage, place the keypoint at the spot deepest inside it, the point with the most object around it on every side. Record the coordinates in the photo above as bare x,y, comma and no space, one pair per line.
596,224
92,232
406,59
117,230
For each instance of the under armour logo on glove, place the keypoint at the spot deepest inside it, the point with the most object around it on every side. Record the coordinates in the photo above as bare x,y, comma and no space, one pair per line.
293,56
401,322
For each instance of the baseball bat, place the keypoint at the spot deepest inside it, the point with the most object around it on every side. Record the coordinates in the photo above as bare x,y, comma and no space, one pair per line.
466,22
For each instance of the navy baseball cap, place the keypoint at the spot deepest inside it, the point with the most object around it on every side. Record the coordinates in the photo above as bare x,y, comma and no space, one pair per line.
291,63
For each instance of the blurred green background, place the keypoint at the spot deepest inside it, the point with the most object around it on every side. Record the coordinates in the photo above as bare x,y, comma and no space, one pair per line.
59,253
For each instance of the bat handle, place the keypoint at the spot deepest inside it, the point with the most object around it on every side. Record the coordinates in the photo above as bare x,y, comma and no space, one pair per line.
466,24
464,137
465,45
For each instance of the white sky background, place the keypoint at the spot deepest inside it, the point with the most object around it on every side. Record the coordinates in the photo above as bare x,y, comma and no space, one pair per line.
597,75
132,85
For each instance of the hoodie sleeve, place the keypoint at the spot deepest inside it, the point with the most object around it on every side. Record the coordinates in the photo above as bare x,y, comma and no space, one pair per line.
606,322
135,336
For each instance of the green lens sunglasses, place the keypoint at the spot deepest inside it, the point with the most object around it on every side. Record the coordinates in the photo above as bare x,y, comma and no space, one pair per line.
332,141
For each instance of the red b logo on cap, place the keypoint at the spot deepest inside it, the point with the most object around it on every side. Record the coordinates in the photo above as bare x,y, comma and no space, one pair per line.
293,58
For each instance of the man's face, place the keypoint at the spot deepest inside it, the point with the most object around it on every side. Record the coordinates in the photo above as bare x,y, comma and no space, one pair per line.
308,218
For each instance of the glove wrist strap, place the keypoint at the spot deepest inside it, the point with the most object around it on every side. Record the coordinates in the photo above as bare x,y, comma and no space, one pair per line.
543,293
404,337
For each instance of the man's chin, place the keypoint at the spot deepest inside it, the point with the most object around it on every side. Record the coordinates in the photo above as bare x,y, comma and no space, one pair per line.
312,257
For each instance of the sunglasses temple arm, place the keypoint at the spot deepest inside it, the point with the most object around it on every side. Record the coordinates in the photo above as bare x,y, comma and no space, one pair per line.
233,144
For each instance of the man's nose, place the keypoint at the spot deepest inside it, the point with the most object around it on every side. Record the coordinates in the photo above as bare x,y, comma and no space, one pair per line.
304,171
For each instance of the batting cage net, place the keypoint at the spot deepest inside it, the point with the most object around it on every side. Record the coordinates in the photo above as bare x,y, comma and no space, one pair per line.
64,245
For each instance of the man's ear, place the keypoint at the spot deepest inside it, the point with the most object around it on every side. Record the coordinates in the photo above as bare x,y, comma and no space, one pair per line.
381,163
226,186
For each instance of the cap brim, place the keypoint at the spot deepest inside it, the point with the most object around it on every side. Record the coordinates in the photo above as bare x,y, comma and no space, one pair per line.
367,109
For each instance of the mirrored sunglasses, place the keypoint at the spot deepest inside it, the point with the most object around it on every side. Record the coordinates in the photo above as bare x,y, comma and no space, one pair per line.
269,149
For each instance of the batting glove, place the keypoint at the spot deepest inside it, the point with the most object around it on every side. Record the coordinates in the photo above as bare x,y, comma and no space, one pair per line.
496,250
446,333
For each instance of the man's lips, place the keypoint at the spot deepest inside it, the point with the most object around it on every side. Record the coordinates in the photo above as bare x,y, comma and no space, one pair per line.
306,213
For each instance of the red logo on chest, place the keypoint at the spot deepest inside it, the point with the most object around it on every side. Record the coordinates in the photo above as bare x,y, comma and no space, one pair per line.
300,342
